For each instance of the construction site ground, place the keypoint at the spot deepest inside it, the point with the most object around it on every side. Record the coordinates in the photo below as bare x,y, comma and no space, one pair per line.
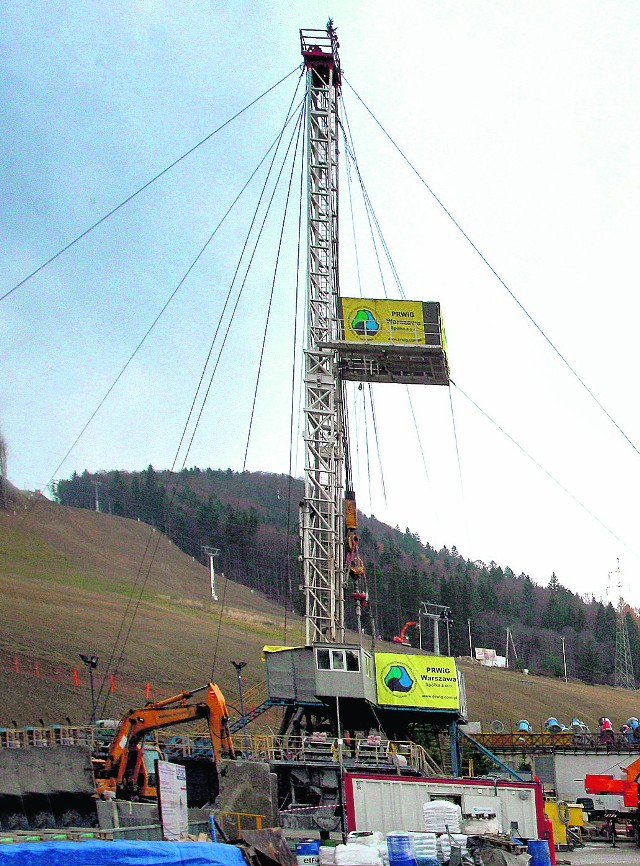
601,853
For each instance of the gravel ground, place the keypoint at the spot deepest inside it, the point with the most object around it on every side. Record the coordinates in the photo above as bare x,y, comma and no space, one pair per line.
601,854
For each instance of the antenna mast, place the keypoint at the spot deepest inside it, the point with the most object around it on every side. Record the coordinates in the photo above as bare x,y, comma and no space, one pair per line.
322,518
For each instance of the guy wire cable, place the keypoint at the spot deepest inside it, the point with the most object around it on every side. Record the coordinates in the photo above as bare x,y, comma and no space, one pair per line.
350,153
273,285
546,471
203,404
377,442
455,439
289,588
289,116
142,188
371,231
235,307
134,588
418,437
221,348
502,282
353,227
160,314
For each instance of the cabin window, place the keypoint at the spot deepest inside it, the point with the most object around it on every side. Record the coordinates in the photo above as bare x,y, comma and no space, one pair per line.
338,660
367,664
353,660
322,660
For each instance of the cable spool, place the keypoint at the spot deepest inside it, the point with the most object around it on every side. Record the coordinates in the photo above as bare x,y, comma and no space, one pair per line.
497,727
563,811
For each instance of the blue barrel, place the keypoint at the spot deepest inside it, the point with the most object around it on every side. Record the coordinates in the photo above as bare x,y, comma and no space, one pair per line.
400,849
539,851
308,852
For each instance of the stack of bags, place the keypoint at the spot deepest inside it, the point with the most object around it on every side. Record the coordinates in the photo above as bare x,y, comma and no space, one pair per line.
441,816
425,847
327,855
446,843
362,849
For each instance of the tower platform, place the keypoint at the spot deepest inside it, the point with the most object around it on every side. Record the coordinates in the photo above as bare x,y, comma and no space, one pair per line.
390,341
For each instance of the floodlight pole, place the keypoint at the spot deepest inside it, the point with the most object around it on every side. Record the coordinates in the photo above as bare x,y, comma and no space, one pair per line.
238,666
564,660
91,662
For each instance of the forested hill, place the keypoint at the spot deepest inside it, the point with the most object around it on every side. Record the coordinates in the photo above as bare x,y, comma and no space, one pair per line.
252,517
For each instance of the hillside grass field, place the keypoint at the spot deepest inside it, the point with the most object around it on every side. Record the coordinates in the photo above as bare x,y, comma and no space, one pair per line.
75,581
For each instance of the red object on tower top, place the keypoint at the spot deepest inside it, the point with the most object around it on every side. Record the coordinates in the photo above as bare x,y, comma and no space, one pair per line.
320,50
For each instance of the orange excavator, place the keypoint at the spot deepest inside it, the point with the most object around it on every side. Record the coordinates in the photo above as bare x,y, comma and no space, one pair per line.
128,772
628,787
402,637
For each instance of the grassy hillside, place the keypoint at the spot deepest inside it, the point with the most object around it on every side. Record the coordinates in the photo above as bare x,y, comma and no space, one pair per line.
72,581
252,518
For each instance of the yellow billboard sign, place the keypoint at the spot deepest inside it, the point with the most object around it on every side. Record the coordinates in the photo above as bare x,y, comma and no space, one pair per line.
382,321
427,682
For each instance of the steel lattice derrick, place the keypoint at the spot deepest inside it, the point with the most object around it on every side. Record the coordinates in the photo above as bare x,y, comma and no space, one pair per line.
322,518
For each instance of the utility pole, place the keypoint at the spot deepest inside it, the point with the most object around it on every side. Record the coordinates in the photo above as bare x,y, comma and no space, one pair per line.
564,660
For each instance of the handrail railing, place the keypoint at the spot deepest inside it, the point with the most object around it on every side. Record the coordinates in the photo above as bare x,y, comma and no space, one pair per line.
366,751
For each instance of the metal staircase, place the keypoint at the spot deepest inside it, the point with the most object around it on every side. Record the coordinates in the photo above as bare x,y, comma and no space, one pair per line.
250,716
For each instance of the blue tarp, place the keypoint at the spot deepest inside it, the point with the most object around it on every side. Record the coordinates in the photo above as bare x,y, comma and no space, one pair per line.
120,854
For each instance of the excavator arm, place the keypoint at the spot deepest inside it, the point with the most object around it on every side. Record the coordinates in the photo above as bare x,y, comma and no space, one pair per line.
125,760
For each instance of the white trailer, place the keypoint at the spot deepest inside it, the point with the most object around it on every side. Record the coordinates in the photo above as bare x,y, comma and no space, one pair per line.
388,803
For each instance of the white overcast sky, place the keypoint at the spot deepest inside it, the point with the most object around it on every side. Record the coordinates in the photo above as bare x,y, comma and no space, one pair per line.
521,116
